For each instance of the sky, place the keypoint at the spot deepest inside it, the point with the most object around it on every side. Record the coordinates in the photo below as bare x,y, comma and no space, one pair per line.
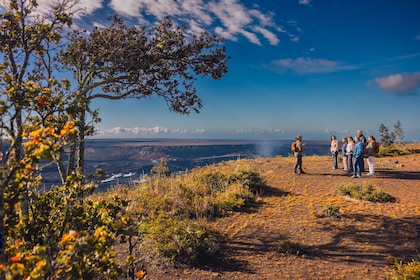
311,67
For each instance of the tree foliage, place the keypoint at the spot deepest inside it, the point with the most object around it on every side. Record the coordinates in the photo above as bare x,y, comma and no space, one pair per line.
398,131
58,233
118,62
388,138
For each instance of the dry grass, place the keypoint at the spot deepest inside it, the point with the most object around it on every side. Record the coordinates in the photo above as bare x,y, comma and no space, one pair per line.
362,244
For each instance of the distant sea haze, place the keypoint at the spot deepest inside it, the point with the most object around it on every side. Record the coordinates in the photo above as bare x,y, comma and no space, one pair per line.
126,160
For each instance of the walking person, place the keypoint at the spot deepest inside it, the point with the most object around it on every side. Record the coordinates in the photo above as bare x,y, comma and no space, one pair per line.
350,153
358,158
344,153
298,151
334,151
371,149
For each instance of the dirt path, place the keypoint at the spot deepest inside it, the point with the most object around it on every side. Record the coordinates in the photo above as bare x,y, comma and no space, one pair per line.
360,245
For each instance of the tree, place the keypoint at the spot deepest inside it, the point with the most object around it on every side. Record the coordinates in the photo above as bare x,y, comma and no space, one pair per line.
386,137
161,169
28,92
399,133
50,234
119,62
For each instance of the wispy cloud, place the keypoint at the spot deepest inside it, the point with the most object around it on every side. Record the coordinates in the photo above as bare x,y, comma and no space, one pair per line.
268,131
401,84
304,2
230,19
306,65
156,131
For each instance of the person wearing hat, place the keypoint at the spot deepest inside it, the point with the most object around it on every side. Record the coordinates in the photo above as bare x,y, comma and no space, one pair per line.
298,154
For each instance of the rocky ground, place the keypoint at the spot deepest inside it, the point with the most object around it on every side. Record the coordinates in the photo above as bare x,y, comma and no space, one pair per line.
361,243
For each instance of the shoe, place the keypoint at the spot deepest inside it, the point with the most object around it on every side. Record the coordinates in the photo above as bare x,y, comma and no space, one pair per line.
302,172
371,174
355,176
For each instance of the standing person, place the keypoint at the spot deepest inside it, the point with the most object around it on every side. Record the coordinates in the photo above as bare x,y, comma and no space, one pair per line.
298,151
358,158
362,139
350,153
334,151
344,153
370,153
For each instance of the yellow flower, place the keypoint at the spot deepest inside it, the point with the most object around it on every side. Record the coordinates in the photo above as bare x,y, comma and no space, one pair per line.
140,274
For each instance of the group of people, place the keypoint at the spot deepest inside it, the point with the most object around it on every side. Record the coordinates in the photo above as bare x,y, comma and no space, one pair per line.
353,151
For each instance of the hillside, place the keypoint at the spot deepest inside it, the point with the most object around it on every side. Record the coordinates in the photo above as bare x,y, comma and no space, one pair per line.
360,245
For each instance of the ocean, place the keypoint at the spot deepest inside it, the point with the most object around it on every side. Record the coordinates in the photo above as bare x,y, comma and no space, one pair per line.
125,161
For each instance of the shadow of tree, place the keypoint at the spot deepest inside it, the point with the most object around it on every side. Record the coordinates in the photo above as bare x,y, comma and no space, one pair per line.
372,239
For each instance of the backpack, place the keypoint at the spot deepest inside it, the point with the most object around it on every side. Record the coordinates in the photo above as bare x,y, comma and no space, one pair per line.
377,147
294,147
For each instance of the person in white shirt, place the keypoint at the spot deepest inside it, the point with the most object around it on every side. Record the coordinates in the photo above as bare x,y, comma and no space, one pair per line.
350,152
334,151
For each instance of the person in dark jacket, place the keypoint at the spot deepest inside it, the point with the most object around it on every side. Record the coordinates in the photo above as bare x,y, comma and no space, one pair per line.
298,154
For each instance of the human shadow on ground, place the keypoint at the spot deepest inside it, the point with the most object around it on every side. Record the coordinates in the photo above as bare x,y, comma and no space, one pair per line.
406,175
374,240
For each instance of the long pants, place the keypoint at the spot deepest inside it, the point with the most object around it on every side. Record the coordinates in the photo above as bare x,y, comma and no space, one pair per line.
335,163
357,170
350,163
371,164
298,164
362,164
345,163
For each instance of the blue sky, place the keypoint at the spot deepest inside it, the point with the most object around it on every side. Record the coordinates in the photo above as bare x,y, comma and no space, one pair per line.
310,67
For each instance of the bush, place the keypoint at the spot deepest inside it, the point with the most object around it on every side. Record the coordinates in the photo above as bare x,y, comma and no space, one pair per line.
365,192
332,211
182,240
291,248
409,271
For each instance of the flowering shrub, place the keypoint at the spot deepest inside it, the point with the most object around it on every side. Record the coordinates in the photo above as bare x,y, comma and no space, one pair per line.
58,233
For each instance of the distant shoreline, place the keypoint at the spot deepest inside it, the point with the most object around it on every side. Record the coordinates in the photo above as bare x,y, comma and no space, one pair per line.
138,142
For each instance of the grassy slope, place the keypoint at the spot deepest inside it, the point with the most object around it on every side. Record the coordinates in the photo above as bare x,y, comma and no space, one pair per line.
360,245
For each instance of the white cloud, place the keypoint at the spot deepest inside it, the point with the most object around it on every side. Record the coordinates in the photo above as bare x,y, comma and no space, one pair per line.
199,131
129,8
306,65
134,131
304,2
228,18
80,8
270,36
156,131
402,84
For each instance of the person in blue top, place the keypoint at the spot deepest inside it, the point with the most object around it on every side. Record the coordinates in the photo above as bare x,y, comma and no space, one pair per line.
358,158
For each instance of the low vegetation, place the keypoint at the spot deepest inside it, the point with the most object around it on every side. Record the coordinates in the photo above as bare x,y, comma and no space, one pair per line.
405,271
365,192
292,248
175,210
332,211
